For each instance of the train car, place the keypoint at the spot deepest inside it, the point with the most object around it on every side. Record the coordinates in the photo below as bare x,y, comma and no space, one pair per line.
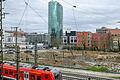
57,73
9,73
33,74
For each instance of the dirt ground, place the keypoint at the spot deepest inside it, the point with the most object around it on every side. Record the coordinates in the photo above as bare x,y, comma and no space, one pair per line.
77,59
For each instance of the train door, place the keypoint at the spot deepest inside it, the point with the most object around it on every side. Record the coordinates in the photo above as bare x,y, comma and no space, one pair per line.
26,75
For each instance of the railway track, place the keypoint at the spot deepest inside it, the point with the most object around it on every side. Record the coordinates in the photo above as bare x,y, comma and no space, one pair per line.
67,77
70,76
77,74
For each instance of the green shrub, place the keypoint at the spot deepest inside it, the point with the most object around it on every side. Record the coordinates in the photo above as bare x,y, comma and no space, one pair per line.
98,68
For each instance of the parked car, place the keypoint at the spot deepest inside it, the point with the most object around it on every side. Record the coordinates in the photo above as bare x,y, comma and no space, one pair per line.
28,51
10,51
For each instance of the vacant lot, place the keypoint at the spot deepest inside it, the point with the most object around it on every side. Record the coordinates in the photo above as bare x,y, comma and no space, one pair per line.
77,59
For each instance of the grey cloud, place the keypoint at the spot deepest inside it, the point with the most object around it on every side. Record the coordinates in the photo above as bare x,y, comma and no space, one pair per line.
90,14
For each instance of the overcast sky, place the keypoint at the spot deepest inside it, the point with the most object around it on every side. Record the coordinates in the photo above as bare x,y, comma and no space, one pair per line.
87,16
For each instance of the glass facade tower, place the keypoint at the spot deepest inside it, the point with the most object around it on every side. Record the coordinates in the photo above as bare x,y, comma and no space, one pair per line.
55,23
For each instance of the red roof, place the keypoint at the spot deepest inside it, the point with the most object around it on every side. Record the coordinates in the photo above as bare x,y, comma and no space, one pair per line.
114,31
19,34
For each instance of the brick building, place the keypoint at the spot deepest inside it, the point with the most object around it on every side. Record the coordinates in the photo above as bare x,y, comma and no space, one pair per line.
108,39
95,41
103,41
114,39
84,40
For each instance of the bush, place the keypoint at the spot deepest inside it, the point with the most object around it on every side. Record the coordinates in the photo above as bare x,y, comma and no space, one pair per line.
98,68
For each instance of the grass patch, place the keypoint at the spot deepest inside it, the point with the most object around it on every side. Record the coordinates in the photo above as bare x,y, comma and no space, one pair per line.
98,68
116,77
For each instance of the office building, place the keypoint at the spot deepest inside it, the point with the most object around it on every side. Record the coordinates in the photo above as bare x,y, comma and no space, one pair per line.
55,23
31,38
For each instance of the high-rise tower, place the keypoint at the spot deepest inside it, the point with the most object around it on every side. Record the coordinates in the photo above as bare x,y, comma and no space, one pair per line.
55,23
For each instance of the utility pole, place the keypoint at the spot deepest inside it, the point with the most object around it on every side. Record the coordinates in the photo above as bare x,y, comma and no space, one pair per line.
1,37
17,53
1,40
35,56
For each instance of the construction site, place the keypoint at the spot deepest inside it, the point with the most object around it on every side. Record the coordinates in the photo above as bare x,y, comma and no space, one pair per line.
72,59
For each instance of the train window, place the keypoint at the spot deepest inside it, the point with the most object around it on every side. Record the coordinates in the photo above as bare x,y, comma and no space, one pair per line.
38,78
0,70
6,71
57,77
46,76
11,72
32,77
25,75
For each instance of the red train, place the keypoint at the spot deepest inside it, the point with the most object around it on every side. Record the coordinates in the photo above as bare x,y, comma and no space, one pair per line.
9,73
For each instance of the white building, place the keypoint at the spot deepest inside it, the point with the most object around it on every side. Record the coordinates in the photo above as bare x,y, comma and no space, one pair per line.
9,39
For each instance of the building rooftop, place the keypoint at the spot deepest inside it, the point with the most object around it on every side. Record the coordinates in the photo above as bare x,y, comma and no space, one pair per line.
14,33
115,31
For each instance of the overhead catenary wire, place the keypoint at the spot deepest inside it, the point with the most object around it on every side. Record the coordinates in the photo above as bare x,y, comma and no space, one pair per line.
73,6
22,15
36,12
75,20
67,3
26,16
73,11
25,9
93,11
35,43
16,44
